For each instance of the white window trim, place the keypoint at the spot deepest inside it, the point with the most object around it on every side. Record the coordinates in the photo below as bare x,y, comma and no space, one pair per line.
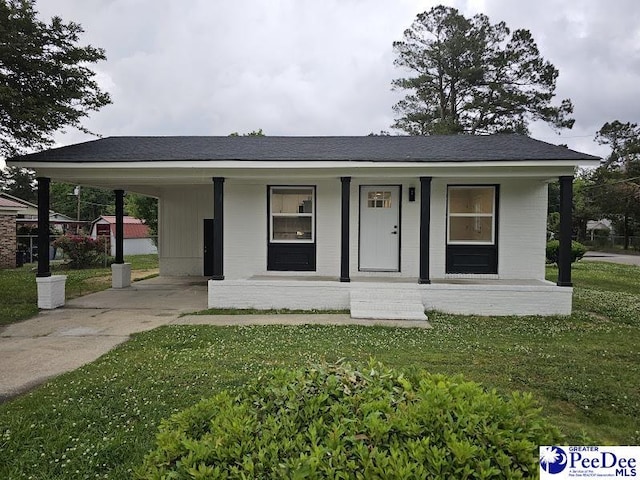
473,215
273,214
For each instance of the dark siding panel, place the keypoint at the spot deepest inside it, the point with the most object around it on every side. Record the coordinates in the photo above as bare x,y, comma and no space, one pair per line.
472,259
300,257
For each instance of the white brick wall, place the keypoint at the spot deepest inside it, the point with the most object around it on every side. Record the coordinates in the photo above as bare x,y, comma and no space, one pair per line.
498,299
245,228
543,299
521,231
290,294
182,210
522,221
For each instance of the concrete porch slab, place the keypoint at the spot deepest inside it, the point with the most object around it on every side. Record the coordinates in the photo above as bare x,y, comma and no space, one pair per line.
458,296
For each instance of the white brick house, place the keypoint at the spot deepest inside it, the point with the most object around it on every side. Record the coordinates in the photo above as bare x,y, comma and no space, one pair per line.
374,224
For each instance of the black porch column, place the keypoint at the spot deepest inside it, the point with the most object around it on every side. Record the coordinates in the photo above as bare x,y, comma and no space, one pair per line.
564,253
218,228
425,221
344,231
119,226
44,269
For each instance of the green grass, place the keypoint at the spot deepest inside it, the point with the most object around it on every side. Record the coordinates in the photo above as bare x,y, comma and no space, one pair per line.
100,420
18,294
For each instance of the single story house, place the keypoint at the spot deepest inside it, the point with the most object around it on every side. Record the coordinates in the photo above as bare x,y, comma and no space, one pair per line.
386,226
136,235
28,216
601,227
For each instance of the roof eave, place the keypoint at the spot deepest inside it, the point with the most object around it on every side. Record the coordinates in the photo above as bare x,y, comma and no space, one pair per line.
315,164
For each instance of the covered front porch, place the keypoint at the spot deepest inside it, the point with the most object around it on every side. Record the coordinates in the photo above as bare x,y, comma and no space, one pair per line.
239,275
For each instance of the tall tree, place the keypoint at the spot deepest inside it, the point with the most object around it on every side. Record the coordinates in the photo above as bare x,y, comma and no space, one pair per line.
88,202
45,83
253,133
471,76
616,188
146,209
584,207
19,182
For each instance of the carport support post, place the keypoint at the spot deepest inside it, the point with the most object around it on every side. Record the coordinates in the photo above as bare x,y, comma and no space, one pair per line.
218,228
344,229
120,271
564,252
44,269
425,221
51,291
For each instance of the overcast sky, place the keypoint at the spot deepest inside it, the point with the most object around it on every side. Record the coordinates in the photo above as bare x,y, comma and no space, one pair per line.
324,67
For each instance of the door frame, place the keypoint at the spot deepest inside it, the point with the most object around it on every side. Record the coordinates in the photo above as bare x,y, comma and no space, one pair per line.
360,187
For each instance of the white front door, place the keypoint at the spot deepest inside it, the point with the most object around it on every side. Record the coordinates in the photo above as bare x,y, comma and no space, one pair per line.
380,228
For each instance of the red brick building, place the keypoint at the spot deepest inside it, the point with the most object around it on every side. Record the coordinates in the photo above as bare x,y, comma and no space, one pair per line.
9,209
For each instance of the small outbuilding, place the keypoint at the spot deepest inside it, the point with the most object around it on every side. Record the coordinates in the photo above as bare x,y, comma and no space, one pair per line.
137,239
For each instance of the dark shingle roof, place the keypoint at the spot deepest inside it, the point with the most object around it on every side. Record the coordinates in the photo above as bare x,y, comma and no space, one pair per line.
436,148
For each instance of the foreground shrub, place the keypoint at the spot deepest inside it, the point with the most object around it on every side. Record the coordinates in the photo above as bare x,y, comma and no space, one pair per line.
340,422
82,251
553,247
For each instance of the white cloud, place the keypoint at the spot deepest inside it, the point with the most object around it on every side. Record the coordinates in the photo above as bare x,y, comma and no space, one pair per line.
304,67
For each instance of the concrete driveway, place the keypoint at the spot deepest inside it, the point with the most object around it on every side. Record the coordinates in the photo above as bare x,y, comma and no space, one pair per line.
61,340
612,258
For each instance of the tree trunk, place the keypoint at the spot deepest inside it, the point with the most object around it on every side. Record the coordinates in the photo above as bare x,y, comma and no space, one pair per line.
581,229
626,231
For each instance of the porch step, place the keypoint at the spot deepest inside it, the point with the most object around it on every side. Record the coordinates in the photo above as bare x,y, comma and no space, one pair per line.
380,303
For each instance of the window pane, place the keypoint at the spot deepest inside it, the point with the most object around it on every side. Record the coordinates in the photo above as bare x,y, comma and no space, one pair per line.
379,199
471,199
470,229
292,200
292,228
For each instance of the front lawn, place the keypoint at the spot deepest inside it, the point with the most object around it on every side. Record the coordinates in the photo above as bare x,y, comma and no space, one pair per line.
99,421
19,297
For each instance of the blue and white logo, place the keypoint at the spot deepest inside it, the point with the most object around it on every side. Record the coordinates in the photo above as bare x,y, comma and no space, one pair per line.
553,459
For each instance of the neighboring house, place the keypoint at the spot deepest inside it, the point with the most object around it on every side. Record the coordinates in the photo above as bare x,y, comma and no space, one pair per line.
599,227
137,240
386,226
9,210
27,217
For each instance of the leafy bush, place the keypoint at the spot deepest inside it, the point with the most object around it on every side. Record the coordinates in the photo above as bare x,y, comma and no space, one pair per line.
82,250
577,251
340,422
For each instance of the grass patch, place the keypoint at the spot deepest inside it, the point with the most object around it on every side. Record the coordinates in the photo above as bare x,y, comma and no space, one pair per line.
100,420
19,296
